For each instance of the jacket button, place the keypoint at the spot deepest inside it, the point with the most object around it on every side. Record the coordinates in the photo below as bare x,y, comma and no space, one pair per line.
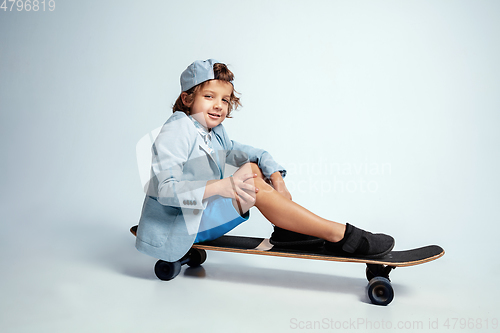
185,202
194,202
196,211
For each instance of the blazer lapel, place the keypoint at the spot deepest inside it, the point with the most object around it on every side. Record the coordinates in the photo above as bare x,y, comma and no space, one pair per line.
203,146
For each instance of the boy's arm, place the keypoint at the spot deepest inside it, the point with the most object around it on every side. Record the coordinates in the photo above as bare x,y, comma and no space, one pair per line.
263,159
213,187
238,154
170,154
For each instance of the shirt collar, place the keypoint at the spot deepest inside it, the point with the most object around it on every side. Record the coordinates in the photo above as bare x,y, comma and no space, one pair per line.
205,134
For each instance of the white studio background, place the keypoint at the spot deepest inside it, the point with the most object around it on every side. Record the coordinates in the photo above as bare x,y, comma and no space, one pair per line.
384,112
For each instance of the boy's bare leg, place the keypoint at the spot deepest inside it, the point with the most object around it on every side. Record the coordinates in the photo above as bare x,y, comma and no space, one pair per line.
289,215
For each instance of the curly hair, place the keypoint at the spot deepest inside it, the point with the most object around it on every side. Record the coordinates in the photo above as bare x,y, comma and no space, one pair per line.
221,72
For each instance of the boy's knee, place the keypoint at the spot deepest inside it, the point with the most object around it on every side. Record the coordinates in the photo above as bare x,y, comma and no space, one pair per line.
262,185
256,169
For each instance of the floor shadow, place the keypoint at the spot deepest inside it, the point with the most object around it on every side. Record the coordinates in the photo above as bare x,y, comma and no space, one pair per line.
286,279
278,278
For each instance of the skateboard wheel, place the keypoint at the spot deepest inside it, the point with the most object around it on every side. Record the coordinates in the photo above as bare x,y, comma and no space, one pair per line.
196,257
380,291
167,270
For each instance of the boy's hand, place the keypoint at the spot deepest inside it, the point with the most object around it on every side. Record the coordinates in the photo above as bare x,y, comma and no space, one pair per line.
240,187
279,185
243,190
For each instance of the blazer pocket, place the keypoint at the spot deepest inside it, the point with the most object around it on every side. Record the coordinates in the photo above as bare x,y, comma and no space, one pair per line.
156,222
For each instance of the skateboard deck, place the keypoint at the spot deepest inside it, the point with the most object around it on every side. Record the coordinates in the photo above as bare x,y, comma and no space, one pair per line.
380,289
262,246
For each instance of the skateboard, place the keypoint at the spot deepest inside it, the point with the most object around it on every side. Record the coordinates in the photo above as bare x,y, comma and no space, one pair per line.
379,289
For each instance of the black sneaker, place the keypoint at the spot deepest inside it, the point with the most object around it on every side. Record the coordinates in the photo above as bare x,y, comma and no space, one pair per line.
357,242
293,240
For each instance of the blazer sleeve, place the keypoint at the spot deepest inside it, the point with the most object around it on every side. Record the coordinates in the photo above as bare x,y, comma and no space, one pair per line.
238,154
171,151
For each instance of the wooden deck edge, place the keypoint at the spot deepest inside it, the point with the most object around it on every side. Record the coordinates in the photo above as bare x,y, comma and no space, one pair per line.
317,257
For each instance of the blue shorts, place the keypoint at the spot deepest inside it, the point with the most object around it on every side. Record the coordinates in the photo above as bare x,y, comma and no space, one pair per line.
218,218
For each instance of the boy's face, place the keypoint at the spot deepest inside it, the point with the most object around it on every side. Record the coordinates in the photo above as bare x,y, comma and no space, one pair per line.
211,103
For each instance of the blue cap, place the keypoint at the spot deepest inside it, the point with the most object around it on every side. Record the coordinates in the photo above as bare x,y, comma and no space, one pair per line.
198,72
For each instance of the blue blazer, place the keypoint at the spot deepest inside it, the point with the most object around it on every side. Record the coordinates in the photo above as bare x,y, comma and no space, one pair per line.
180,168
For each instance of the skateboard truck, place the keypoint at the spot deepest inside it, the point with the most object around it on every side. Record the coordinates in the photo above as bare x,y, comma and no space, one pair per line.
373,270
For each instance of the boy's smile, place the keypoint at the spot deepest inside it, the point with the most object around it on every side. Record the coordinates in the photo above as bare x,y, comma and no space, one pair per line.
211,103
